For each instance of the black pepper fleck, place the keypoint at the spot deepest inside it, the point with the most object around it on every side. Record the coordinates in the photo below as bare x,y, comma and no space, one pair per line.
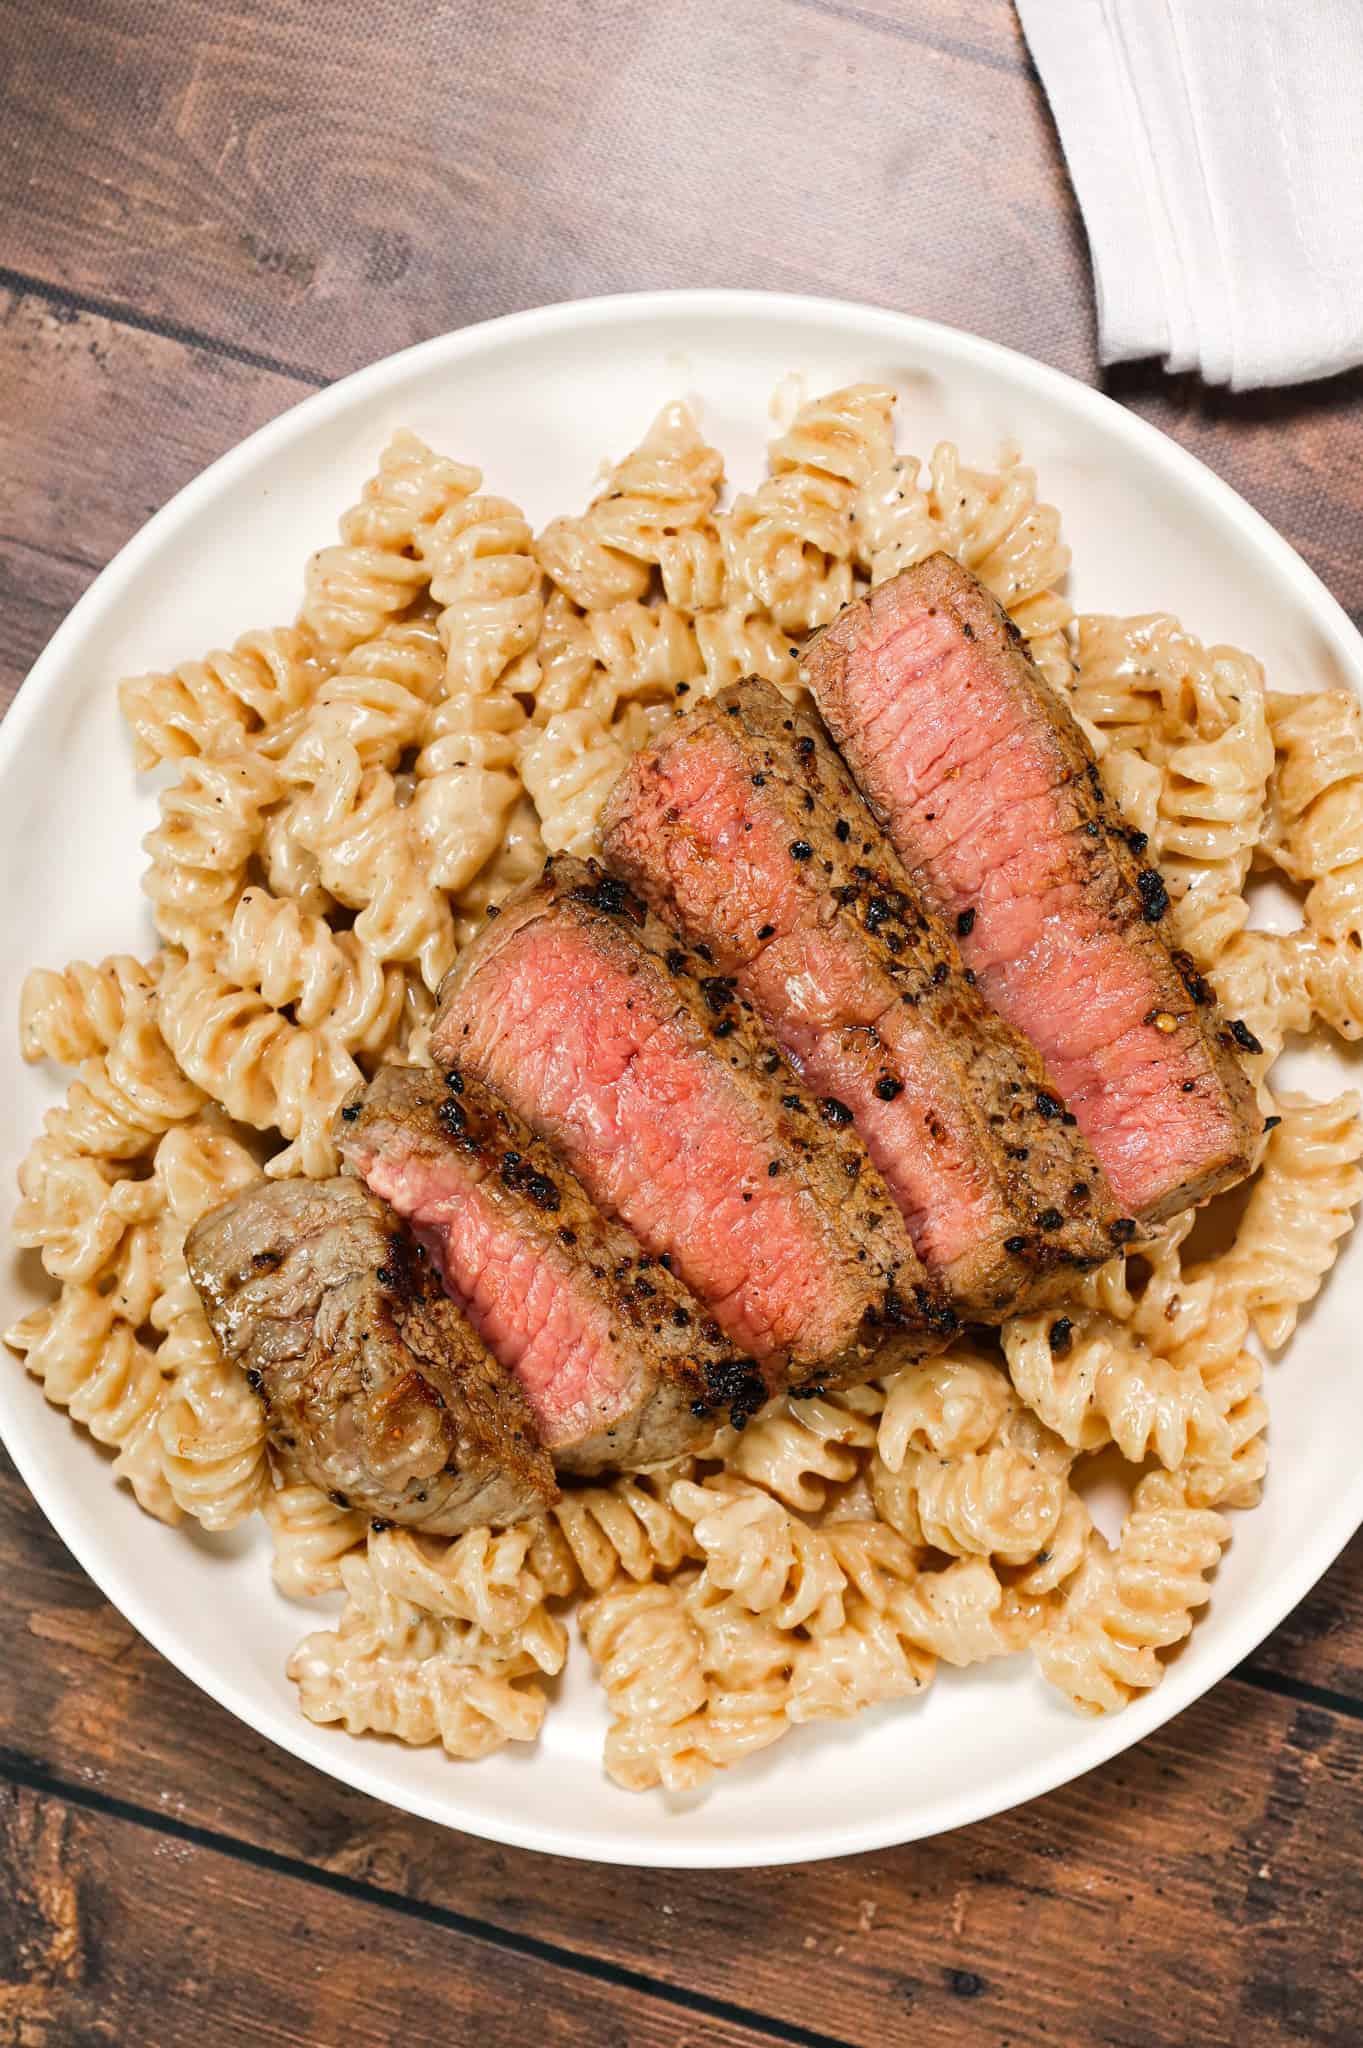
1153,894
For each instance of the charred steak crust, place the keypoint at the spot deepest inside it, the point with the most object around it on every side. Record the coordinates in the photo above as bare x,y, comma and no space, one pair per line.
1052,1208
872,1275
1121,893
417,1132
373,1382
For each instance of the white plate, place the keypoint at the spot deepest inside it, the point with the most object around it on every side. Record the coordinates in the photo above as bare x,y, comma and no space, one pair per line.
538,400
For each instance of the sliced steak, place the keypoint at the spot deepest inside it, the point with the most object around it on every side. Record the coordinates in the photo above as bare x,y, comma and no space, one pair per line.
371,1377
620,1365
987,788
655,1080
866,994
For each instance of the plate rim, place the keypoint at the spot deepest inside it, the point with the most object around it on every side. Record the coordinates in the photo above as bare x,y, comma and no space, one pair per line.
322,1748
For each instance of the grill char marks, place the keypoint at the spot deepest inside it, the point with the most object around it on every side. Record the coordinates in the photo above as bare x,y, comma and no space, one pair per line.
373,1382
994,801
618,1362
866,993
638,1060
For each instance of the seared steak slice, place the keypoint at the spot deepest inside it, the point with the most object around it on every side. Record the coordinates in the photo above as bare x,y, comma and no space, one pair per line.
866,994
620,1365
372,1379
987,788
653,1078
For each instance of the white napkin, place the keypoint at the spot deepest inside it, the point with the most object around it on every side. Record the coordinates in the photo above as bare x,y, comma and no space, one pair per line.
1216,147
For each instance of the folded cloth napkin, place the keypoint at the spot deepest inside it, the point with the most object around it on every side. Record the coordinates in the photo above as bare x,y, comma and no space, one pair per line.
1216,148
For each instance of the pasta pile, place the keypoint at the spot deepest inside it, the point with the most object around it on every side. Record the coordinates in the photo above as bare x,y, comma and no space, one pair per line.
345,798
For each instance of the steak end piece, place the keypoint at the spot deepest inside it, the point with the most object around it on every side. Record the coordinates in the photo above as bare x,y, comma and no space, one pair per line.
619,1364
645,1068
865,991
372,1379
987,788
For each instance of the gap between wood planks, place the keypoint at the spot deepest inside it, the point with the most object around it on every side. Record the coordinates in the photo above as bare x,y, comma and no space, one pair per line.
20,1771
61,300
1297,1689
1018,61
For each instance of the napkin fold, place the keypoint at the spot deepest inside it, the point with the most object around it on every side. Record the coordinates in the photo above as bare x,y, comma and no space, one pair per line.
1216,150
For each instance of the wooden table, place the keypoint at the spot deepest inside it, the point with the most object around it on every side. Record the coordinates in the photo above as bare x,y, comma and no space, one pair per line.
207,211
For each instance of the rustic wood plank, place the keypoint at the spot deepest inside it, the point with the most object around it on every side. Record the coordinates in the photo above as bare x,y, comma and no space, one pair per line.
1220,1854
1321,1642
157,412
36,592
113,1932
1295,455
325,198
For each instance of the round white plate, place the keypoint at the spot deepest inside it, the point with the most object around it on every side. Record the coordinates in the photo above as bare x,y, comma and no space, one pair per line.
539,400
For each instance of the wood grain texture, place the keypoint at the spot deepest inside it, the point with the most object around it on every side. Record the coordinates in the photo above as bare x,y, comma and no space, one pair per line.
116,1933
1297,456
325,198
206,211
1204,1887
156,412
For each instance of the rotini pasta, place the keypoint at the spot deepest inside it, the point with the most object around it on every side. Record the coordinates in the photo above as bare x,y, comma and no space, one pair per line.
212,706
1127,1604
212,1432
486,582
91,1362
211,821
1189,755
569,770
329,979
961,1471
663,491
77,1015
377,568
1317,805
311,1535
124,1098
596,1533
394,1668
796,1448
1302,1204
366,832
264,1070
990,521
1094,1382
